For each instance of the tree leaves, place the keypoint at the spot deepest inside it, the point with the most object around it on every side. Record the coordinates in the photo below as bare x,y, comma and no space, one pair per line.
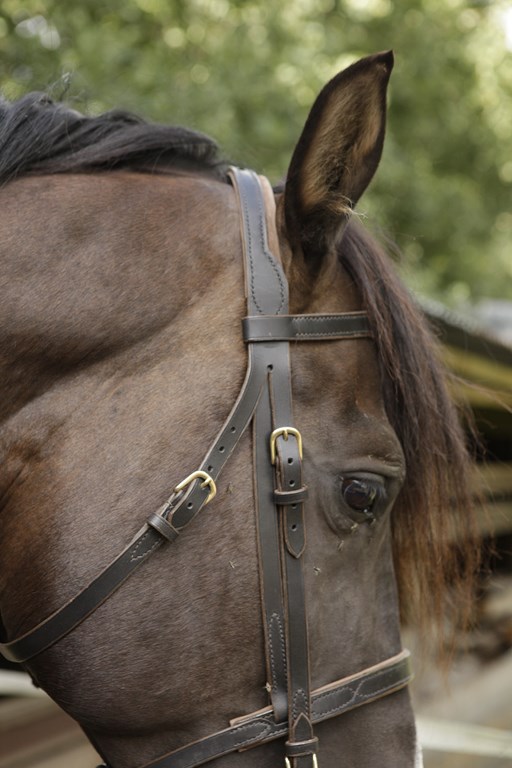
246,72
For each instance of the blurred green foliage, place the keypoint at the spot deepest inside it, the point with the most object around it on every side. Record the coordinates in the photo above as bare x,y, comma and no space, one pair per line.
246,73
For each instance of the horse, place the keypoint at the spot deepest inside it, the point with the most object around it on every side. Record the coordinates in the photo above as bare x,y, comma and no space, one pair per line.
122,273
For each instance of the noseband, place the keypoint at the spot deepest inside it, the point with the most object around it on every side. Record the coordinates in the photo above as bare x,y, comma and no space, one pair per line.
265,400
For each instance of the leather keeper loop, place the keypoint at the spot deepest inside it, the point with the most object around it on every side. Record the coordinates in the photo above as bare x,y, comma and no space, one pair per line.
291,497
163,527
301,748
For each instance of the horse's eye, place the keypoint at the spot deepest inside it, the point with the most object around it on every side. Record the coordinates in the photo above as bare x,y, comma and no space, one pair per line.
361,495
358,494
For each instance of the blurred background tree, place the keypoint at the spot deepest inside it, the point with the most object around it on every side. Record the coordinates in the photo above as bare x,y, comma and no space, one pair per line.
247,72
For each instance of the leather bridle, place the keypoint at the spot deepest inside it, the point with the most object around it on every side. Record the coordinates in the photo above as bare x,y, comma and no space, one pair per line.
265,400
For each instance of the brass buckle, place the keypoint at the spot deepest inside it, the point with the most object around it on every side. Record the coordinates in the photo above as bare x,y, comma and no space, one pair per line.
284,432
289,765
208,481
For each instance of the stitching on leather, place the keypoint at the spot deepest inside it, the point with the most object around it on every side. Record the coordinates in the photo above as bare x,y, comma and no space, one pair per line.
298,321
248,237
275,619
356,695
299,706
134,556
314,335
267,727
345,703
333,333
248,240
359,315
261,216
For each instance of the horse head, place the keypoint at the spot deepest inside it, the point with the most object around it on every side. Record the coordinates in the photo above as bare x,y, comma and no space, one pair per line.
122,358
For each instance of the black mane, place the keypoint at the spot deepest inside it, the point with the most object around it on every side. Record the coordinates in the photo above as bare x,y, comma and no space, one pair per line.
39,136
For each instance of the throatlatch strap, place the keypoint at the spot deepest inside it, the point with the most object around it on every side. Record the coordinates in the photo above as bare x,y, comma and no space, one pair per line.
174,516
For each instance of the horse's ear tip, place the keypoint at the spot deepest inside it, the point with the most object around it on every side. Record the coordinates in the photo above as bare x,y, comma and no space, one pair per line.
386,58
380,64
389,56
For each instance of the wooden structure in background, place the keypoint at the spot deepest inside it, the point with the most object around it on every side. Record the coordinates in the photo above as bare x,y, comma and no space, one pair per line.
482,368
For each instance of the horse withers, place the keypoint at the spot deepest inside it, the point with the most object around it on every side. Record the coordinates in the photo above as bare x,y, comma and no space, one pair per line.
254,609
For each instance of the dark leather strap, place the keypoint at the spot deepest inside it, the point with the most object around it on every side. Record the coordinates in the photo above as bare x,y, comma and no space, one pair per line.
274,626
281,528
266,284
265,293
350,325
288,476
326,702
75,611
176,514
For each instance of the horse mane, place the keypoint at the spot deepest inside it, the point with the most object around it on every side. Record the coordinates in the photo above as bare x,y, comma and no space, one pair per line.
39,136
436,551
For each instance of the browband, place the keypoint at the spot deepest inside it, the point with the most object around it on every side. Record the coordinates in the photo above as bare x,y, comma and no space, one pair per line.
350,325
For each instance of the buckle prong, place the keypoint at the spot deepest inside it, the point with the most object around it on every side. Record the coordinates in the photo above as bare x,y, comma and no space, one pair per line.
284,432
207,481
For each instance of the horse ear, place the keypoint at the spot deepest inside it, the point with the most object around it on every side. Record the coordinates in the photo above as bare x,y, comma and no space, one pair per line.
336,156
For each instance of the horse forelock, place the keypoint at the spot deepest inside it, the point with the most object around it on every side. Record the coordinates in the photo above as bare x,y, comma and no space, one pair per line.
435,540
